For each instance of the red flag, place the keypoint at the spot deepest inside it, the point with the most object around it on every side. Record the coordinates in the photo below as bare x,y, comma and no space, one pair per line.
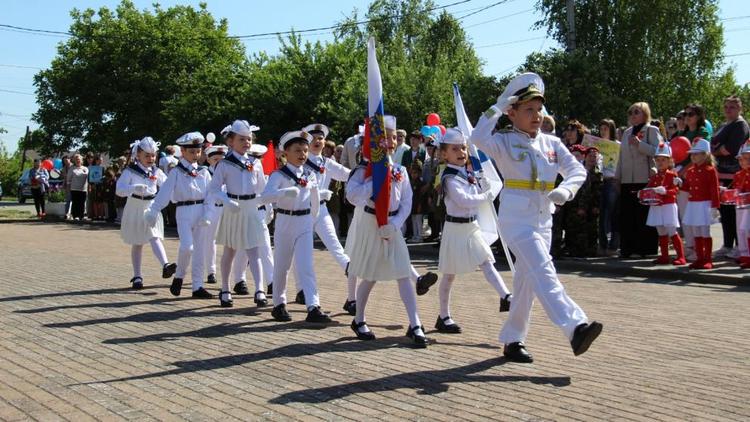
269,160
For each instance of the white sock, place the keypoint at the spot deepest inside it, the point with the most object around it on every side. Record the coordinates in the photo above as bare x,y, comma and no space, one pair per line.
409,297
255,268
444,293
494,278
351,287
136,256
363,293
414,274
159,251
226,267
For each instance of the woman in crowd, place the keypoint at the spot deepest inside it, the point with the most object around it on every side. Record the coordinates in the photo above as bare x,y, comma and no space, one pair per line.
39,181
609,236
78,181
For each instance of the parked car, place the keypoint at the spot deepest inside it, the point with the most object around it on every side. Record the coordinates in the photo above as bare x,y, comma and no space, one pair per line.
1,191
24,185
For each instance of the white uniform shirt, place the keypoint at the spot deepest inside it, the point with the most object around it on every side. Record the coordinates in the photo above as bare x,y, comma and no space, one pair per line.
246,180
462,198
137,174
359,191
307,195
331,170
181,186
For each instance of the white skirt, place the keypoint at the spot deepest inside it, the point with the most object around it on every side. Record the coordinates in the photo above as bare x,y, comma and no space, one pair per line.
743,219
241,230
351,235
697,213
663,215
462,248
133,227
373,258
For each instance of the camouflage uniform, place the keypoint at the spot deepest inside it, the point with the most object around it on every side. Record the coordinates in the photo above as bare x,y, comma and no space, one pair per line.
582,217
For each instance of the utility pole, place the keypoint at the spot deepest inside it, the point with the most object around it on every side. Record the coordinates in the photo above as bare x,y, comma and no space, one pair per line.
25,144
570,9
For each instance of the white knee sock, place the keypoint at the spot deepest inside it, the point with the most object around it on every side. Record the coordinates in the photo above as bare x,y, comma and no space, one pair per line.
409,297
136,256
493,277
363,293
414,274
444,293
159,251
351,287
255,268
226,267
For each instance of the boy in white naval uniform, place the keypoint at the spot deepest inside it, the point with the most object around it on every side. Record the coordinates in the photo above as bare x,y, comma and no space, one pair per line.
294,191
214,154
186,187
529,161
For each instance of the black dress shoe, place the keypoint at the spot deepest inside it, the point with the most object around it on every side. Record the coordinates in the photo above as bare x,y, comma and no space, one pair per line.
317,316
300,298
279,313
441,326
360,335
584,335
202,294
260,299
137,283
505,303
350,306
516,352
176,286
424,282
225,299
211,279
241,289
420,341
269,289
168,270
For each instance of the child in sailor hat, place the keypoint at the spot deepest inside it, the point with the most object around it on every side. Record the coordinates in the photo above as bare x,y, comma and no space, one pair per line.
663,215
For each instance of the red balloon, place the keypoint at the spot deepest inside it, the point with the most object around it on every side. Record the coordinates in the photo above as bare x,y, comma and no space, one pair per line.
680,146
442,129
48,165
433,119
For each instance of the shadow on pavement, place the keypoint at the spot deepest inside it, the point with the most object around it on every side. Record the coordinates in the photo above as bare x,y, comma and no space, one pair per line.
118,290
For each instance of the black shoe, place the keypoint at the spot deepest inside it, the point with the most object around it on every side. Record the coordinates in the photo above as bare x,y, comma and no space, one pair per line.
241,289
269,289
505,303
317,316
419,341
202,294
279,313
211,279
137,283
360,335
300,298
424,282
584,335
350,306
447,328
516,352
176,286
168,270
346,270
260,299
225,299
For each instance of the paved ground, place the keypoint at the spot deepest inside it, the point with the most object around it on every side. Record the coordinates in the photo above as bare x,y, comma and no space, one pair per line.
77,345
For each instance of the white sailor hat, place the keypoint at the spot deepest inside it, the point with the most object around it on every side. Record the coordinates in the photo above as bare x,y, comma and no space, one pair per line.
523,88
243,128
225,132
390,122
190,140
146,144
216,149
316,128
257,150
663,150
700,145
745,149
295,134
453,136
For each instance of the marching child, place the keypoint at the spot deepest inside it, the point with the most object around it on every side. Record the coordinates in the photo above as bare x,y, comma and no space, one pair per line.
463,248
380,253
186,187
214,154
241,224
294,191
702,183
741,182
139,183
664,216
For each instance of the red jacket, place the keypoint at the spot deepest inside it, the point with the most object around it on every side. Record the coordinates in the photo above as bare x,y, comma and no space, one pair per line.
702,182
741,181
665,178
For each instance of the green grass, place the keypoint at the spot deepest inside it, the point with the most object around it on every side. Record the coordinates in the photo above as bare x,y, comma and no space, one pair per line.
11,214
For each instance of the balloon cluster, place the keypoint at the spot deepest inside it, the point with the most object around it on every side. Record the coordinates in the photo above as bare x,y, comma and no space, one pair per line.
433,127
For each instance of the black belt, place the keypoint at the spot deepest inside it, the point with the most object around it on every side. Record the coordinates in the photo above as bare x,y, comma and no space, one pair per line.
241,197
262,207
185,203
322,202
293,212
452,219
218,205
144,198
372,211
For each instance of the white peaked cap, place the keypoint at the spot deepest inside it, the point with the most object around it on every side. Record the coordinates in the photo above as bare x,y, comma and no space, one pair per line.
190,139
316,127
663,150
257,150
390,122
146,144
523,88
243,128
216,149
700,145
453,136
745,149
295,134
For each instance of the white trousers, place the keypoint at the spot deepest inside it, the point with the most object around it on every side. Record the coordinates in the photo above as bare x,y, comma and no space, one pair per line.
192,243
326,231
210,255
241,262
293,241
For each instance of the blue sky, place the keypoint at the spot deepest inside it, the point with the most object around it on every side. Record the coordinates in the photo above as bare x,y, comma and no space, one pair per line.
502,35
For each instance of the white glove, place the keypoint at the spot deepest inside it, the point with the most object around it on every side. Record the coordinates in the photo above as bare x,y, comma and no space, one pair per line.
204,221
140,189
269,215
504,103
489,195
150,216
485,186
325,194
661,190
559,196
232,206
715,215
386,232
291,192
677,181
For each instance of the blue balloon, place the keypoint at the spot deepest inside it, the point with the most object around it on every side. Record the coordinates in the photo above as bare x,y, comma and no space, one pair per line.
435,131
57,163
426,130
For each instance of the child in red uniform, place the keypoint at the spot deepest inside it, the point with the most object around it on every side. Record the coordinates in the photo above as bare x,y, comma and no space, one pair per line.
664,216
702,183
741,182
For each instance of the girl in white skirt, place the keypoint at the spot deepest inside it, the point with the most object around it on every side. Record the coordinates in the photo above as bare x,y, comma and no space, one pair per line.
139,183
380,253
237,180
664,216
702,183
741,182
463,248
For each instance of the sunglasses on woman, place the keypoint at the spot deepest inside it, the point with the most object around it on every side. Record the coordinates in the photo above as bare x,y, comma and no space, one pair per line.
690,114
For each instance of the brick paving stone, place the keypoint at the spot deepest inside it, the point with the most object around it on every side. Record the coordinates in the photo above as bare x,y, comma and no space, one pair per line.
77,344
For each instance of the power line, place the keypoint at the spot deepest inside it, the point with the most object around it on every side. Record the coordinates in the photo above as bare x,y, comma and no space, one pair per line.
738,54
18,66
483,9
734,18
16,92
510,42
499,18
